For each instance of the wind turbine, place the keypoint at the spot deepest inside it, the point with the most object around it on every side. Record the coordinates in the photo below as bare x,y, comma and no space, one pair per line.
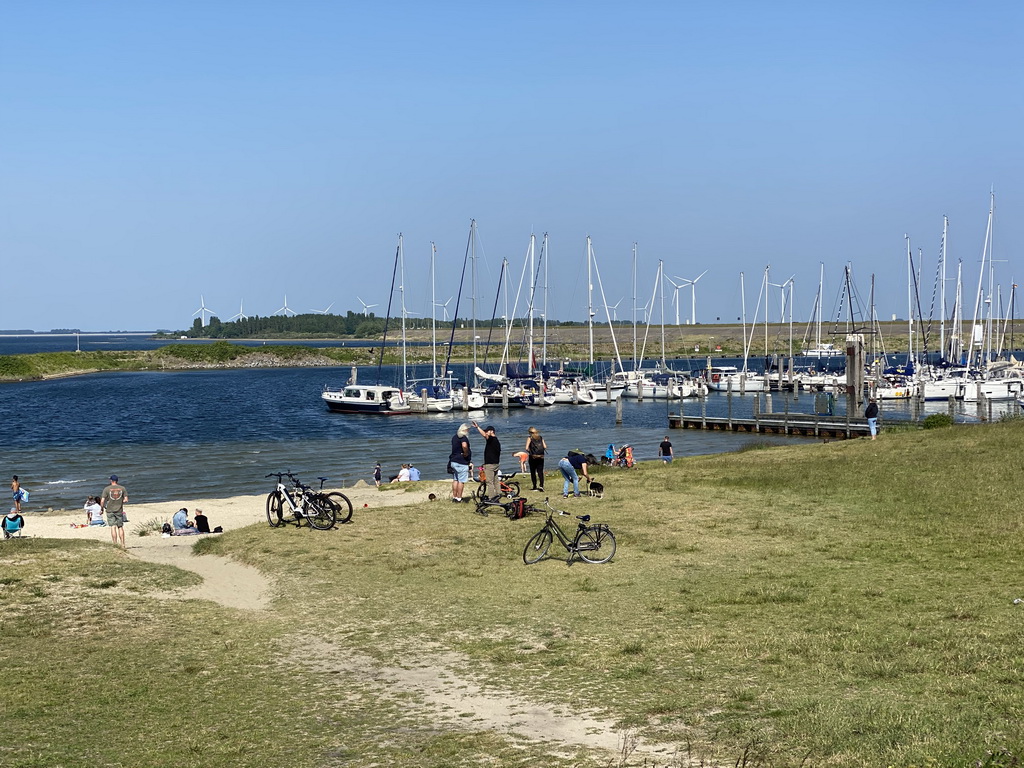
693,294
323,311
241,314
365,305
613,307
444,307
675,294
783,286
203,309
285,309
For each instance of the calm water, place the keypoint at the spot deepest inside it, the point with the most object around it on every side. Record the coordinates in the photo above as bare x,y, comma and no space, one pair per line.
217,433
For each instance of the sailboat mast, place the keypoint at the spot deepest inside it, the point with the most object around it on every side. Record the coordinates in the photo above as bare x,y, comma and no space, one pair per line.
910,300
433,314
743,317
942,289
533,287
977,326
819,304
661,285
544,316
472,280
590,300
401,296
634,308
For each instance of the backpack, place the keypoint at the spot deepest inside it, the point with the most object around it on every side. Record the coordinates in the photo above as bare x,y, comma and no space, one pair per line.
516,510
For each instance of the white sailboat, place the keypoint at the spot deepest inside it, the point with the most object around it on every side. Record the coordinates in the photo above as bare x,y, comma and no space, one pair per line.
728,378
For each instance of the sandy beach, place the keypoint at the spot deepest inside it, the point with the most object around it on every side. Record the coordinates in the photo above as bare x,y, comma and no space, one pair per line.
224,581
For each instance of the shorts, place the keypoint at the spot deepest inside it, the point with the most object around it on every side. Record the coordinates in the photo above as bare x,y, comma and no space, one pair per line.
96,522
116,519
461,472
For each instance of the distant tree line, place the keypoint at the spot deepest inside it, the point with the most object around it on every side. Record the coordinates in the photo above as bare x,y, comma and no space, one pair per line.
358,324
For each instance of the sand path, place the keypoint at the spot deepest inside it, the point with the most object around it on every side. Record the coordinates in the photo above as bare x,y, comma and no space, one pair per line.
435,676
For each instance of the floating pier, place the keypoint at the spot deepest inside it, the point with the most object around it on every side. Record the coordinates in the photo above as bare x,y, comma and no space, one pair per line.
800,424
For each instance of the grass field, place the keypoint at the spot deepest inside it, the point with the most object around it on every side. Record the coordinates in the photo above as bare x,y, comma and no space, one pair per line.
839,604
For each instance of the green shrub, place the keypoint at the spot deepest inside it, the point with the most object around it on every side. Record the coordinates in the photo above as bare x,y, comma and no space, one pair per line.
15,366
937,420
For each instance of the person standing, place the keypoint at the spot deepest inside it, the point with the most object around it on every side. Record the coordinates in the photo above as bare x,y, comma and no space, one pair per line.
665,451
376,474
459,459
492,457
536,448
871,414
112,502
16,490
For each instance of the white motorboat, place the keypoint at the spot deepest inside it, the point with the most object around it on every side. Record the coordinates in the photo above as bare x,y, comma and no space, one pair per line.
366,398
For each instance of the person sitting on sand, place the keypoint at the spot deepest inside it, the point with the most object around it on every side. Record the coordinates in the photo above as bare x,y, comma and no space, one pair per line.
93,512
202,522
181,525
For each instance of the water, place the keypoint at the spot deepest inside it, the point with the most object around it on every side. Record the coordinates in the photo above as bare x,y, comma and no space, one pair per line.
174,435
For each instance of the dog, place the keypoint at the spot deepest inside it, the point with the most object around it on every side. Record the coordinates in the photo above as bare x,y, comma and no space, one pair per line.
596,489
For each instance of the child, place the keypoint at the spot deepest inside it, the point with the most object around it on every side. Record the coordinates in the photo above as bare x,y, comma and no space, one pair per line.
524,460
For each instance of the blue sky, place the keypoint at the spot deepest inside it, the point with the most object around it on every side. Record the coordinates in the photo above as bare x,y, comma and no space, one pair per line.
156,152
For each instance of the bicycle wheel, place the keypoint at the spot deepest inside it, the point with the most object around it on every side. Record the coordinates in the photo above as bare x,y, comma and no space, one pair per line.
537,547
595,544
481,491
321,513
275,510
511,490
344,506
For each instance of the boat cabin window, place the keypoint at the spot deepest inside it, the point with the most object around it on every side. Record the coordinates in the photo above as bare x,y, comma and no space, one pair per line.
352,393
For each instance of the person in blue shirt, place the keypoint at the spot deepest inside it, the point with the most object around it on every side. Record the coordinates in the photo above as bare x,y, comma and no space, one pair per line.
181,525
414,474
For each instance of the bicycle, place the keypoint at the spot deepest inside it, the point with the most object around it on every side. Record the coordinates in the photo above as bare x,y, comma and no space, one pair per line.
320,510
513,509
507,488
593,543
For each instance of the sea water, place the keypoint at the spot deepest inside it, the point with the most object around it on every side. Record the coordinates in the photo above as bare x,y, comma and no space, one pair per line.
217,433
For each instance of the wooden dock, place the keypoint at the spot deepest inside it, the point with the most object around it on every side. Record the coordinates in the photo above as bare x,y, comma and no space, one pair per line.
800,424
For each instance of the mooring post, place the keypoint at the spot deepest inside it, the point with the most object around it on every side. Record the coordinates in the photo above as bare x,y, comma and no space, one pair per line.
423,400
618,410
728,398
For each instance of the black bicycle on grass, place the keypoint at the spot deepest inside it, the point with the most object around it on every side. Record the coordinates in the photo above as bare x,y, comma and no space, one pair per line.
593,543
287,505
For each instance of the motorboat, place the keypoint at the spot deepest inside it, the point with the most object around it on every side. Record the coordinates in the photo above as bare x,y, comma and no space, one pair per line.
366,398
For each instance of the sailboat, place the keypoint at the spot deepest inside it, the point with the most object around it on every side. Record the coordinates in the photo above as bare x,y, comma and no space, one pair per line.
728,378
820,349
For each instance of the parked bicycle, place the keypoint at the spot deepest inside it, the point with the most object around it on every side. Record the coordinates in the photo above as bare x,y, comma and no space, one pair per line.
593,543
287,505
508,488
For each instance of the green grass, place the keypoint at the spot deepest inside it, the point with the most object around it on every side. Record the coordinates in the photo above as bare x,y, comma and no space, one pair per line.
840,604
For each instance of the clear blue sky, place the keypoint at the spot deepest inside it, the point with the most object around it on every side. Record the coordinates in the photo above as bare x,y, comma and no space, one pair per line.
154,152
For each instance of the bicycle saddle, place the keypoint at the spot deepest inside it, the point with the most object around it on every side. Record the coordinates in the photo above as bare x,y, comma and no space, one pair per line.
584,518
